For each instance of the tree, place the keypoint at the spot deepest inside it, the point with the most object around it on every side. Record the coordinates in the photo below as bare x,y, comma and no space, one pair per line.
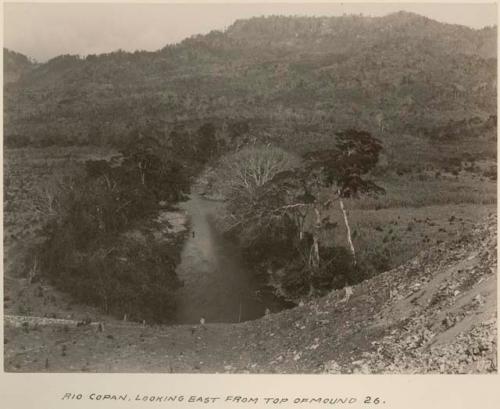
207,142
345,169
142,153
182,144
270,198
272,231
243,172
159,172
87,252
300,196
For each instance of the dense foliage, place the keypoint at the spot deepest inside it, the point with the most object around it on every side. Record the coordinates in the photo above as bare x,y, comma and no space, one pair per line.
100,246
280,209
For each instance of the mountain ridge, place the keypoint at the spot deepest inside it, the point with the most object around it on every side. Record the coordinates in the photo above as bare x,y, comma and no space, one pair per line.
359,72
399,17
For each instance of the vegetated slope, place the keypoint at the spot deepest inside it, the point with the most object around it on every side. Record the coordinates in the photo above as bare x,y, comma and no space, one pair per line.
15,65
434,314
402,72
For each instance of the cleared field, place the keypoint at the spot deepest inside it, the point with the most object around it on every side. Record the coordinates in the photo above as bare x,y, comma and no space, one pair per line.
418,211
425,189
392,236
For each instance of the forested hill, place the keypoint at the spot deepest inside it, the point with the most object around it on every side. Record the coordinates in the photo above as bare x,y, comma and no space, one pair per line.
398,73
15,65
355,34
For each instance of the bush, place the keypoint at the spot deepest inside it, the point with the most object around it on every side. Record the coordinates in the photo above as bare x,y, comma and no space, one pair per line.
490,173
87,252
289,270
374,262
336,269
129,277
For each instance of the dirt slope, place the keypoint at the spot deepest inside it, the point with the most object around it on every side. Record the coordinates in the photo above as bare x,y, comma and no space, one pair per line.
436,313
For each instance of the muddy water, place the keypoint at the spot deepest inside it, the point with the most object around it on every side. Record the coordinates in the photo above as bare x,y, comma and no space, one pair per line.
218,286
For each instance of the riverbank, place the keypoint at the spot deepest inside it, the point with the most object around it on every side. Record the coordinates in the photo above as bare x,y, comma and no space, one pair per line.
32,178
218,285
37,297
434,314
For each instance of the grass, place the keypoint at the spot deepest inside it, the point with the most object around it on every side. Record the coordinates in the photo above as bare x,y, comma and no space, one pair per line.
418,211
425,189
402,233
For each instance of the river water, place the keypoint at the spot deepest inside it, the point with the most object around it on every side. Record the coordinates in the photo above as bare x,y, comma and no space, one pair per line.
218,286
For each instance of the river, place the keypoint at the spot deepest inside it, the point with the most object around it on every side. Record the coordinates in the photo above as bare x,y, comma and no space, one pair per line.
218,286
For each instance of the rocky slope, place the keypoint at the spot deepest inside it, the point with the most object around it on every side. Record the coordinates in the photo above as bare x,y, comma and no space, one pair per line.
434,314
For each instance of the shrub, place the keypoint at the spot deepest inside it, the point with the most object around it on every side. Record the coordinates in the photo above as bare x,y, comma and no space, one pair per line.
125,277
289,270
87,253
373,262
490,173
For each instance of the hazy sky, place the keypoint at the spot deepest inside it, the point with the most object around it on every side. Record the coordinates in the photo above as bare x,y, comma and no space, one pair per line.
43,31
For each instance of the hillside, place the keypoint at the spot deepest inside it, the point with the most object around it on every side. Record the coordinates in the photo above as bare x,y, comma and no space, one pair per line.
15,66
434,314
399,73
82,245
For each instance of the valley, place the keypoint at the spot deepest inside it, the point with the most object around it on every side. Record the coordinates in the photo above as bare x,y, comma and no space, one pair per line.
186,210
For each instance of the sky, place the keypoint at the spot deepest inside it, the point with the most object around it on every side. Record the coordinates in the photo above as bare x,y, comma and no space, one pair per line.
45,30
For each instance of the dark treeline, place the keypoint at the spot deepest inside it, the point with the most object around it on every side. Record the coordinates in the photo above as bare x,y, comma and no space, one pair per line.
100,242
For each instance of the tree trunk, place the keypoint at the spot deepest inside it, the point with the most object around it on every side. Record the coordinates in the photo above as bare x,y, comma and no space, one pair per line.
142,172
348,228
317,229
315,252
299,221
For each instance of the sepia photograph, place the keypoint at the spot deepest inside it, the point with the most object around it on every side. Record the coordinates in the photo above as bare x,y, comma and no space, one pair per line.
239,188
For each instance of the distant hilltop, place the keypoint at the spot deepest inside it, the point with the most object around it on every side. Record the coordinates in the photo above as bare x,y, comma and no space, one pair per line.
364,31
401,73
